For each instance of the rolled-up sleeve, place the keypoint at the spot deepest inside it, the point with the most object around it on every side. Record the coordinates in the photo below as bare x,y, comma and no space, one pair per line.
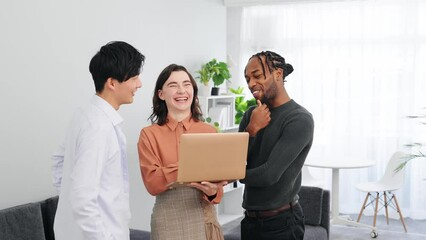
155,176
217,198
58,166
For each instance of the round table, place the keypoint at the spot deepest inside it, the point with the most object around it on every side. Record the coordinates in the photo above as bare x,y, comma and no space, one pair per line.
343,163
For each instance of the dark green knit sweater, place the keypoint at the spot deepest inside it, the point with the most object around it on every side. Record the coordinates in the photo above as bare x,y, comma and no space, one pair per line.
276,156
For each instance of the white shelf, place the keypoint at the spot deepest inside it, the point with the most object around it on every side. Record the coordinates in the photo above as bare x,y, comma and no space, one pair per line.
231,187
226,218
231,129
230,207
223,107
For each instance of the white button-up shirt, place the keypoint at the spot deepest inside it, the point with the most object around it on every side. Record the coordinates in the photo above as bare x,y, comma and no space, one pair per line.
90,172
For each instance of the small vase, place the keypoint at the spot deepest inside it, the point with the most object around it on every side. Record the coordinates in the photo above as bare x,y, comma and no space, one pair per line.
203,90
215,91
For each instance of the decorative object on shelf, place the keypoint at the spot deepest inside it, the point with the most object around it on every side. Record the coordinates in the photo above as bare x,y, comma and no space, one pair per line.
241,105
416,147
215,124
216,71
220,109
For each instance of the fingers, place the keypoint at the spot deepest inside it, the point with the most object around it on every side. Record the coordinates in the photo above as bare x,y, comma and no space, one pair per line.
262,106
215,184
209,188
206,187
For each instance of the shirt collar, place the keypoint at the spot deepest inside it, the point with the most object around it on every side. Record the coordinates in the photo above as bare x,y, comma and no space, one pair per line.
107,109
172,123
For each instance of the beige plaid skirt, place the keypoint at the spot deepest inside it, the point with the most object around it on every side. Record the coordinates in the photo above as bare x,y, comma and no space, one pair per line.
182,214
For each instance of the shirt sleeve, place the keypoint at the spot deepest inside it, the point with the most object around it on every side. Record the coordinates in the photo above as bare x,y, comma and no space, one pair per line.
217,198
295,138
91,154
57,166
155,176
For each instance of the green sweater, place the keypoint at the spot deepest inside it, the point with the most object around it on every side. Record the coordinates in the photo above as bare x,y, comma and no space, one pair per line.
276,156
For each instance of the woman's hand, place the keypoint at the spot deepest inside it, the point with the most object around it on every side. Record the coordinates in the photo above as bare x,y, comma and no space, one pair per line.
208,188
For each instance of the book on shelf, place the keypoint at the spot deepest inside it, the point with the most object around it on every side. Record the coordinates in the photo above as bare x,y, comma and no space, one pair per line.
229,109
219,115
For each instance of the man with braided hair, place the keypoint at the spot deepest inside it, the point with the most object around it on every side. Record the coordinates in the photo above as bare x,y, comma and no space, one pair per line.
281,134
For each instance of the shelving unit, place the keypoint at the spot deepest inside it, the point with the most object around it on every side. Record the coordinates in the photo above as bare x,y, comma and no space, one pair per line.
226,101
230,207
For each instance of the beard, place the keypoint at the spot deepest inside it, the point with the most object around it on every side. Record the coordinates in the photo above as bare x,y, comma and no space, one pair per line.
269,94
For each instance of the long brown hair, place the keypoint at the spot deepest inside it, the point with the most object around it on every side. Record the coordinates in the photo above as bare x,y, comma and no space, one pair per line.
159,107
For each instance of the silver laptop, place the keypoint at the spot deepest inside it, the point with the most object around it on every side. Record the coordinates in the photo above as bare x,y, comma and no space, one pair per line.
212,157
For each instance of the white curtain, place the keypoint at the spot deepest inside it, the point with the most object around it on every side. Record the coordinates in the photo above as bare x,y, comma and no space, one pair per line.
360,69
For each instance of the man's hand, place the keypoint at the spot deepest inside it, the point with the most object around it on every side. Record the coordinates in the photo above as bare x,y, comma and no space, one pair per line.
260,118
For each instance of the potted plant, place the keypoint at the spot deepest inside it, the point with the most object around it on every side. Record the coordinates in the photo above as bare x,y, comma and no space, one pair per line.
216,71
416,148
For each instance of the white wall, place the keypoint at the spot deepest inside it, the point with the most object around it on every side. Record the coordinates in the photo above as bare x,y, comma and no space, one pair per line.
45,51
233,42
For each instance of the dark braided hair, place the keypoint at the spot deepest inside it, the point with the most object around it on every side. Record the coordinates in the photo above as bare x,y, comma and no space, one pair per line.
274,61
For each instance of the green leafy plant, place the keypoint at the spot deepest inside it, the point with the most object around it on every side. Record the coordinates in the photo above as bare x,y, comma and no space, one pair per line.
408,158
215,124
415,147
216,71
241,105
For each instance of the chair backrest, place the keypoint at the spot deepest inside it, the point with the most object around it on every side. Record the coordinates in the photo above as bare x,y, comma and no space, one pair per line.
308,179
392,177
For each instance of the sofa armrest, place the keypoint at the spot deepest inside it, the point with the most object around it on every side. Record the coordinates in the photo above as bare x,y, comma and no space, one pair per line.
325,218
315,203
136,234
310,199
22,222
48,210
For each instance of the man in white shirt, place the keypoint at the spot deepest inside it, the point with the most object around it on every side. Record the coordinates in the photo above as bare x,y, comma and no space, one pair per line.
90,167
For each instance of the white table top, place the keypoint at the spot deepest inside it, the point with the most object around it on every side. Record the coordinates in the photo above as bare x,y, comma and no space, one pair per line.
343,164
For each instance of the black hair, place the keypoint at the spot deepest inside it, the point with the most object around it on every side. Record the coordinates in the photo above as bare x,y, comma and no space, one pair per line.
118,60
274,61
159,107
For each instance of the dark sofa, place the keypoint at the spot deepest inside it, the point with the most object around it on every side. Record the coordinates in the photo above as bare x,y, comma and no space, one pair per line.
316,207
34,221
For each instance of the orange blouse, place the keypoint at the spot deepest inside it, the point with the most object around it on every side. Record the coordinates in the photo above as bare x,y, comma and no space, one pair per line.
158,153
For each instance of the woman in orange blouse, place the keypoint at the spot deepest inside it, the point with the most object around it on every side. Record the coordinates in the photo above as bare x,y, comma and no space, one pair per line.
184,212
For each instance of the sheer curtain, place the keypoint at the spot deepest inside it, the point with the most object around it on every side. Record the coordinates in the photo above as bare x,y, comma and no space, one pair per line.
360,69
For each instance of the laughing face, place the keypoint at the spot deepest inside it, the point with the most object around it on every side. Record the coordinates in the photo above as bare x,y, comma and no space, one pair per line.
177,92
262,84
126,90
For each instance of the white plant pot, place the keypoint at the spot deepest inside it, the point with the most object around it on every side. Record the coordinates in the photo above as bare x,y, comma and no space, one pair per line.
203,90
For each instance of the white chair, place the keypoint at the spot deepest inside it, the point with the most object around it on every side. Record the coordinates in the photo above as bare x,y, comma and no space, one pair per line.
382,191
308,179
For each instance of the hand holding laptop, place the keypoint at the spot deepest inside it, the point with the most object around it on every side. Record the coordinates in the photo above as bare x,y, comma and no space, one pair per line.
209,188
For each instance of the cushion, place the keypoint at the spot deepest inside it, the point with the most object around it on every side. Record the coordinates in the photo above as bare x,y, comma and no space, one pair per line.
48,209
310,199
315,232
136,234
22,222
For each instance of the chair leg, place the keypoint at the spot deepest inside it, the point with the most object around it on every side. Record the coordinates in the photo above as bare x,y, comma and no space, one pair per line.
386,208
399,211
363,207
376,209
